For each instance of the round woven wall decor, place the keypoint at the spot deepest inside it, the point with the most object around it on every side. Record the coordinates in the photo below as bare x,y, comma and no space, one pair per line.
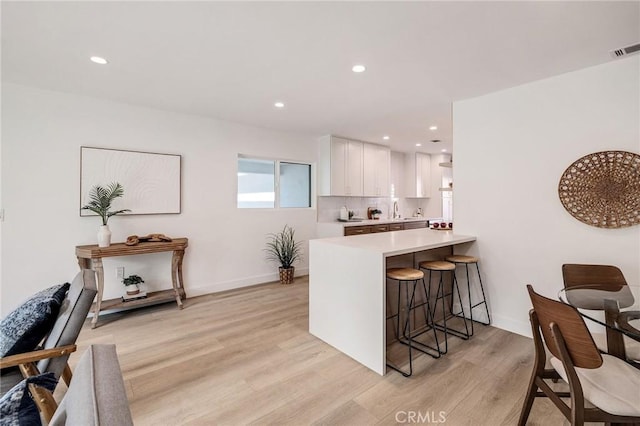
603,189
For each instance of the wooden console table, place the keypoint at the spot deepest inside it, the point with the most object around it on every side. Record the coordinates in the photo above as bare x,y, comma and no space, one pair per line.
91,257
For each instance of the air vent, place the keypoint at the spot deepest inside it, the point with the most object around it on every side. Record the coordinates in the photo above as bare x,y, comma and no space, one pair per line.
623,51
435,140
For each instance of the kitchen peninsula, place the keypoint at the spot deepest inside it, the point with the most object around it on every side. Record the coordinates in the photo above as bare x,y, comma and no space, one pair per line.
347,286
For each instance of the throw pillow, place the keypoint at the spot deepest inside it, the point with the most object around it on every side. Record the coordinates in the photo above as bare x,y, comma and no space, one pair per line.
17,406
23,329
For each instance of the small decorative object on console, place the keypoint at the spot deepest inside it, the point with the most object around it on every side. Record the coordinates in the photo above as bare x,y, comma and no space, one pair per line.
133,240
131,284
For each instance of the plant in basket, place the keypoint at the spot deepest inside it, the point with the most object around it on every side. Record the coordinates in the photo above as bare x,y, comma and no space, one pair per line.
284,249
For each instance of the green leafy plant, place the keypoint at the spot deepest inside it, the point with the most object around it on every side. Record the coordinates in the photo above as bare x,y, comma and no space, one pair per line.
100,199
132,280
283,248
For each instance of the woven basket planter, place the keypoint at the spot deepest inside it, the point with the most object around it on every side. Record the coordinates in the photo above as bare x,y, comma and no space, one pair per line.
286,275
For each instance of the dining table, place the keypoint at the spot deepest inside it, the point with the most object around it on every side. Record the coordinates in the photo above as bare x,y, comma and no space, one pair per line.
612,306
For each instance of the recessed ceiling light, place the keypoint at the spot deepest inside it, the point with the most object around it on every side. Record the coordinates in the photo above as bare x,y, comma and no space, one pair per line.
358,68
279,105
418,144
385,137
98,60
433,127
444,150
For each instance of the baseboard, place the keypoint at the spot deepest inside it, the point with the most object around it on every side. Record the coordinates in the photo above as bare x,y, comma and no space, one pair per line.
522,328
193,291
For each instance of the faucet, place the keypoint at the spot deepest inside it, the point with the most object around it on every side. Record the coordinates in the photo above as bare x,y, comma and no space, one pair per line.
396,215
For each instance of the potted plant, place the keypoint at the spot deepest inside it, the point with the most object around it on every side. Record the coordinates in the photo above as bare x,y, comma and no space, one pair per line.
131,284
100,199
375,213
284,249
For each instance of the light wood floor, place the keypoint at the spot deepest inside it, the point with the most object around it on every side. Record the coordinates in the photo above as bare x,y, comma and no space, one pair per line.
246,357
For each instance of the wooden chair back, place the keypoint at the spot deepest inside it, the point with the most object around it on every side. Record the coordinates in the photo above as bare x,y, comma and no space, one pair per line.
73,313
608,276
580,344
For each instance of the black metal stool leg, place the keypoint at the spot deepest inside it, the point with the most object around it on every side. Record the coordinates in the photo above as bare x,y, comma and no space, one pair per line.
466,267
454,285
484,299
428,318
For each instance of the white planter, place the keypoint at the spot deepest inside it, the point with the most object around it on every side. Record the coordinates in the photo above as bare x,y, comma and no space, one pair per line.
104,236
132,289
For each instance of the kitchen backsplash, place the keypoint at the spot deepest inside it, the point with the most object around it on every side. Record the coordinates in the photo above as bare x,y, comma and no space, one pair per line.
329,207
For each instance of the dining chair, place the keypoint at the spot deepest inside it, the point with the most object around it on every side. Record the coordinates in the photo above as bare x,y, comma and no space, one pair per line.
575,274
610,277
607,383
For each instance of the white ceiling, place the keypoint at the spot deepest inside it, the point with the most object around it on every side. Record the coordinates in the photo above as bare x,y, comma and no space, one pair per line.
234,60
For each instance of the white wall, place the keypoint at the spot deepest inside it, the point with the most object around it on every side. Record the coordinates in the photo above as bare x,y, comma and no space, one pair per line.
511,148
42,132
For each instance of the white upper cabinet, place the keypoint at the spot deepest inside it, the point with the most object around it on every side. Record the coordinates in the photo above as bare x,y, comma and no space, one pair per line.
376,170
418,174
340,167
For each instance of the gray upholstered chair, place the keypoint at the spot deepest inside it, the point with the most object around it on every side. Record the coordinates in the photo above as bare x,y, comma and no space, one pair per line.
60,342
96,395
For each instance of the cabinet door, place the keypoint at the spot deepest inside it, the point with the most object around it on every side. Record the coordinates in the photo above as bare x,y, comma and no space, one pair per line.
415,225
369,162
376,164
383,171
423,175
356,230
353,181
339,166
379,228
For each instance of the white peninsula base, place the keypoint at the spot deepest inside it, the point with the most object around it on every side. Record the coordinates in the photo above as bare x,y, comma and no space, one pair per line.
347,287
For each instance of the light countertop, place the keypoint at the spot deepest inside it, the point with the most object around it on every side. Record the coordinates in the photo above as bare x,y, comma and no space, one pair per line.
396,243
369,222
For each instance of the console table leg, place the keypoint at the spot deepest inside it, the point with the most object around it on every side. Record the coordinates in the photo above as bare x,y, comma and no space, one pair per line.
83,263
180,279
175,261
97,266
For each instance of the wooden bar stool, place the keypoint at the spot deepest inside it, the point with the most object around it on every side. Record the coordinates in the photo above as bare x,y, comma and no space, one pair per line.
459,259
404,277
442,266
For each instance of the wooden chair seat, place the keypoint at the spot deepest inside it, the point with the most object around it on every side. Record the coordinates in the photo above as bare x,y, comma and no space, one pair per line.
438,265
460,258
404,274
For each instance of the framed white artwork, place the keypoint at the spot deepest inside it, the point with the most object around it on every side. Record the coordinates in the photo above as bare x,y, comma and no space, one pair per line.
151,181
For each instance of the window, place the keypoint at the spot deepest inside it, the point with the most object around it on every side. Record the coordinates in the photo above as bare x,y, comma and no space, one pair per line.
273,183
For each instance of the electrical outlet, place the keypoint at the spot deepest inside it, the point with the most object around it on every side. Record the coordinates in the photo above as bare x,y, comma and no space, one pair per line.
120,272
